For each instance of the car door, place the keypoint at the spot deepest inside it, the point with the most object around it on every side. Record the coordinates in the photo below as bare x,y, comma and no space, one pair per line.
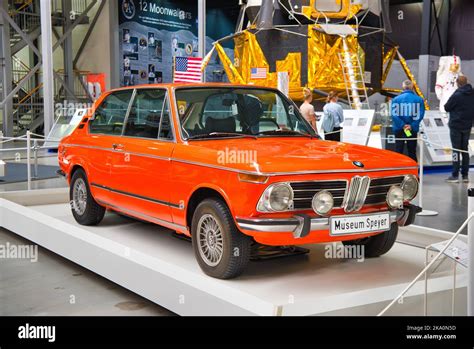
141,164
105,127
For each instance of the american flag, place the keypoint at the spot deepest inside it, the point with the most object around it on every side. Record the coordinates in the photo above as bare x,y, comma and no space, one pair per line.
258,73
188,69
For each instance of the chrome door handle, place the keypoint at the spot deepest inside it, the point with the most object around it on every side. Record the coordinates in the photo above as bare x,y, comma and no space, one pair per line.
117,147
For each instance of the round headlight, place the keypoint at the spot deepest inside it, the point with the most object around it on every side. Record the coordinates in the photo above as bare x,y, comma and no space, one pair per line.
323,203
410,187
395,197
281,197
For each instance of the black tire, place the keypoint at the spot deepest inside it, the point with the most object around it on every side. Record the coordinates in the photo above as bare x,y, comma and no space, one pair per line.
235,245
377,245
93,212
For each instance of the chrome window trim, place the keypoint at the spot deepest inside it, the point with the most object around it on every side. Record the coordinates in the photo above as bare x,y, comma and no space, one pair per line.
132,100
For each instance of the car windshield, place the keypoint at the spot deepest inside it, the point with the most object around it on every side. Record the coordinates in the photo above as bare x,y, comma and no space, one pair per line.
238,112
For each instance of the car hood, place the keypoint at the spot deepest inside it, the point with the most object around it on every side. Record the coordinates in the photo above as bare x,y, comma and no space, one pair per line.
289,154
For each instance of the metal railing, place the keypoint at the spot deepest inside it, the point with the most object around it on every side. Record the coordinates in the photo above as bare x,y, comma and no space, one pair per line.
79,86
425,272
32,146
27,21
77,6
24,5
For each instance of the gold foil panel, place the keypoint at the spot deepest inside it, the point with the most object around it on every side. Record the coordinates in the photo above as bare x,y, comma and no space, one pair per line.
388,59
324,64
232,73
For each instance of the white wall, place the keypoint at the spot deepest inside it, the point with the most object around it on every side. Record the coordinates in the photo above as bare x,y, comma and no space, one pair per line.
96,55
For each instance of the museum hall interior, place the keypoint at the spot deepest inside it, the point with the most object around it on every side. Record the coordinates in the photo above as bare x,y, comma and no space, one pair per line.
302,160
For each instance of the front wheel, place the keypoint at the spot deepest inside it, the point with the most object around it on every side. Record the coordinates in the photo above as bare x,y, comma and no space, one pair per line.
377,245
221,250
85,209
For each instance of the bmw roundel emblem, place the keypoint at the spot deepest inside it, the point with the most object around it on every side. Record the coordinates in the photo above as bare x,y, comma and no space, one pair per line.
358,164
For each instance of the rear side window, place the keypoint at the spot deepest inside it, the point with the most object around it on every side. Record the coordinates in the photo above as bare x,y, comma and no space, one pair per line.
109,117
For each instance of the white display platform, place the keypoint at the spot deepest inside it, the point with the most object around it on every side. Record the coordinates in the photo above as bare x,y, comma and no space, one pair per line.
147,260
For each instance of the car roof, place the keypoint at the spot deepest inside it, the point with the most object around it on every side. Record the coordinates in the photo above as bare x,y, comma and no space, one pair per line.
178,85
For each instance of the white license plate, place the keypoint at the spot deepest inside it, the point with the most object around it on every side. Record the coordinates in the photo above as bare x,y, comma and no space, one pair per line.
344,225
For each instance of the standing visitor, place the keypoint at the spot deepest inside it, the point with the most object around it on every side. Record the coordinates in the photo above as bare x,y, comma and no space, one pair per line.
460,107
307,109
333,118
408,109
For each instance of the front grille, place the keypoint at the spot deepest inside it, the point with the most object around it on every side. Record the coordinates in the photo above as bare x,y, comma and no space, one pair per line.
305,191
379,189
357,193
362,191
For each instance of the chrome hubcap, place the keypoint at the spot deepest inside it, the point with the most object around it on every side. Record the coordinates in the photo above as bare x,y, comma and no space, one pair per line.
79,196
210,240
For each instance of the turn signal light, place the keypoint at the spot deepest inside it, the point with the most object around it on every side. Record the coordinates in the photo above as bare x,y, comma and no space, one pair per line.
243,177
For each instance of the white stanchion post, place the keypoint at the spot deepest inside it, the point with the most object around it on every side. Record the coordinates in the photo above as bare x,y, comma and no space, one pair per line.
420,192
470,238
28,158
35,155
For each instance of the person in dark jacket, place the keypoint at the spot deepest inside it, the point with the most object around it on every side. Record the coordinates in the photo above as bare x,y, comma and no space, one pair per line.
408,109
461,115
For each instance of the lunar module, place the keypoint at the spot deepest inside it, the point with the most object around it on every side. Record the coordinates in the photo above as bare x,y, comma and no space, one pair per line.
325,45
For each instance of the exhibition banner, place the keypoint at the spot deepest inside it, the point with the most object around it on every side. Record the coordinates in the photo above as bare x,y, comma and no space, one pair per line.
152,33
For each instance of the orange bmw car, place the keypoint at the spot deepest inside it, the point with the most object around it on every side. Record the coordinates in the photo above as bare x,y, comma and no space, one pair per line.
230,166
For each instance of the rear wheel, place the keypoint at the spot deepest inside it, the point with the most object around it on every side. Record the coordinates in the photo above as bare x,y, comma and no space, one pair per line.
377,245
84,208
221,250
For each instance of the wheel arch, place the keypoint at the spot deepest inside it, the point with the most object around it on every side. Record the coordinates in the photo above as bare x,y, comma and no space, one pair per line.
73,170
200,194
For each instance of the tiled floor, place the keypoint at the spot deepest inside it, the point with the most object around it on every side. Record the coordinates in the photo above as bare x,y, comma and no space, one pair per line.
449,200
54,286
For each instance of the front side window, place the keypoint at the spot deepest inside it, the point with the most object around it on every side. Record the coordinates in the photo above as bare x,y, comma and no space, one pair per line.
109,117
145,114
213,112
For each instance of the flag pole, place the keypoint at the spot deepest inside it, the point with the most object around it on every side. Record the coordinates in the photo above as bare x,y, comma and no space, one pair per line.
174,66
202,33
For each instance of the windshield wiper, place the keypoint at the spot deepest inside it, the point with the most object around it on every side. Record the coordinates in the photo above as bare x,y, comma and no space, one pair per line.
221,134
286,132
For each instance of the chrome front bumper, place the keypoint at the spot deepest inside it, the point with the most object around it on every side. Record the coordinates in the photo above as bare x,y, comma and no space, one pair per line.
302,225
